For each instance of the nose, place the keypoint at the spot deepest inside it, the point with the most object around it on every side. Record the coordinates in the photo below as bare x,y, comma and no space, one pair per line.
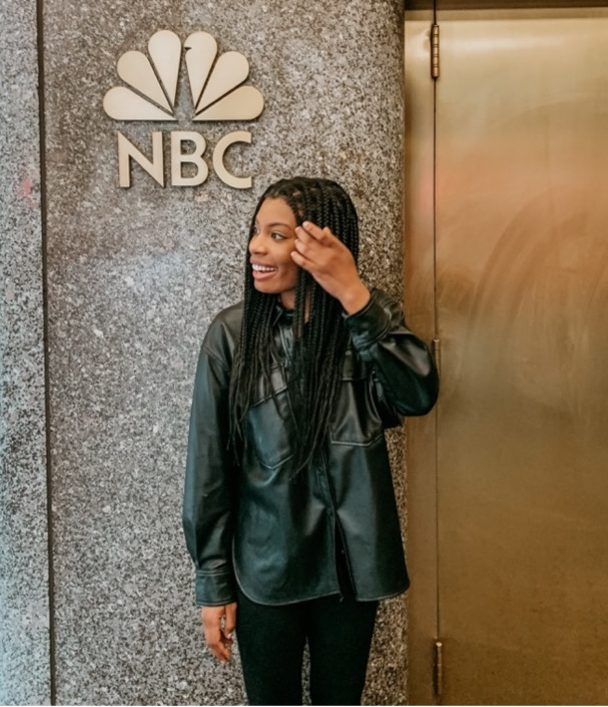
256,244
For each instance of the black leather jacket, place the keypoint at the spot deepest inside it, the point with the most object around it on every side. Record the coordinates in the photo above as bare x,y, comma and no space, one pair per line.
277,537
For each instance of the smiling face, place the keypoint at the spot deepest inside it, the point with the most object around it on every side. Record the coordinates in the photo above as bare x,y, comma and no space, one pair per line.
270,248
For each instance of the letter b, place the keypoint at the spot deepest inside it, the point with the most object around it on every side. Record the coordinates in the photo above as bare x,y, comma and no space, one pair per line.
196,158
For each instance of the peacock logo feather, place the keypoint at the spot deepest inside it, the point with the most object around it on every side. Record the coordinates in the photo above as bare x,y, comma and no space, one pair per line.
216,82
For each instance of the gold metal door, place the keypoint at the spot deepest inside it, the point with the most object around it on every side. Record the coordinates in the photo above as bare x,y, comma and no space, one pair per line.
507,267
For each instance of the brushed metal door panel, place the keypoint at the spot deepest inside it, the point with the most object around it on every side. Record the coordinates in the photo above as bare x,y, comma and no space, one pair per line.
521,254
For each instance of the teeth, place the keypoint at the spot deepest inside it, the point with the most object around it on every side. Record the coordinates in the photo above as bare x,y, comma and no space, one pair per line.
262,268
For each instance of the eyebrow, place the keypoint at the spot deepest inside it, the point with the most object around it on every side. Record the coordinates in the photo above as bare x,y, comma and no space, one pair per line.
277,223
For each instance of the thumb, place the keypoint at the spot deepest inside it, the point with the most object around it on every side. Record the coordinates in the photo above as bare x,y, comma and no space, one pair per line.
230,623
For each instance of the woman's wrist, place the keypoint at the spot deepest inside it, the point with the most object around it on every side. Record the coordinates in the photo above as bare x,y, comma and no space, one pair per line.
355,298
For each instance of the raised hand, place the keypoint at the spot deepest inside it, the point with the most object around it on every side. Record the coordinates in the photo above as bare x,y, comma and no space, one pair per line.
331,264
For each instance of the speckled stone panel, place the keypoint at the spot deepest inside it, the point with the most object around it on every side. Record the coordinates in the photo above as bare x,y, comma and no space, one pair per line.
24,609
135,276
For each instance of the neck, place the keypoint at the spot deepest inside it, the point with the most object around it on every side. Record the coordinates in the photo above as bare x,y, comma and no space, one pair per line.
288,300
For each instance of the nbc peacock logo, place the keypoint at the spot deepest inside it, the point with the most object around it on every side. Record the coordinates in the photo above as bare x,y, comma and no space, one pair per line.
218,92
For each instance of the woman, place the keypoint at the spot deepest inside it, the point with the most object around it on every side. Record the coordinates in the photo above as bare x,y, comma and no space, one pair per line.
289,511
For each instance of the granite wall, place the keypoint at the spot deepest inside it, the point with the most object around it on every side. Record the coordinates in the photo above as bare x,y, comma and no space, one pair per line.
133,279
24,577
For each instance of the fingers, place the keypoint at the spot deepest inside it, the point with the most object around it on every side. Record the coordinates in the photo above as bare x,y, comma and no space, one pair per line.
313,244
311,232
218,638
326,258
318,250
304,242
230,623
212,632
300,260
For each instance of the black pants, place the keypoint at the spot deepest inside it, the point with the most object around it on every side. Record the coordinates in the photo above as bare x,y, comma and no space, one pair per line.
271,645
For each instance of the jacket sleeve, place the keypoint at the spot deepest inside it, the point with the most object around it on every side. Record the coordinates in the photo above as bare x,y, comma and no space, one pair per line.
208,503
401,362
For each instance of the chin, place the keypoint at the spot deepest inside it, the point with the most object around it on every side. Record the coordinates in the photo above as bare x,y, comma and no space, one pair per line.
266,288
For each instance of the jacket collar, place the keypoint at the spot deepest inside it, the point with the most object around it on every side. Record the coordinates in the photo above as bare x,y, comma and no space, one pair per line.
281,314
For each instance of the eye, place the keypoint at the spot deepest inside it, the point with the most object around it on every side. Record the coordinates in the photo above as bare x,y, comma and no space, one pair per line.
277,236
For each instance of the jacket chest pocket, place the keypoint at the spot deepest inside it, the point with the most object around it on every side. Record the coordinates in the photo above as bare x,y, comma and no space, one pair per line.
269,423
356,420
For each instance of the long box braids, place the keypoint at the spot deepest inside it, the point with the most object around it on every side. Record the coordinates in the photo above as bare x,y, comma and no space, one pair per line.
319,334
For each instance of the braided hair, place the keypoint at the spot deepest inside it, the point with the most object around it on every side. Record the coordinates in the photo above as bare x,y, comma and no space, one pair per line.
319,333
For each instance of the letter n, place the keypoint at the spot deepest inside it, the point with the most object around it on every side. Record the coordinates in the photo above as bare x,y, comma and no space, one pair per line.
127,151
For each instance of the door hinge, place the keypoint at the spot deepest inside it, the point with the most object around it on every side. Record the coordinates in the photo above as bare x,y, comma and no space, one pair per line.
436,351
435,51
438,668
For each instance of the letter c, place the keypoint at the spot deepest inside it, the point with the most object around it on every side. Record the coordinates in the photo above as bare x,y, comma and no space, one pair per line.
218,159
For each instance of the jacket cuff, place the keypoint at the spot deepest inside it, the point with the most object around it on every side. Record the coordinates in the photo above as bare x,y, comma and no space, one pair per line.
370,324
214,589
